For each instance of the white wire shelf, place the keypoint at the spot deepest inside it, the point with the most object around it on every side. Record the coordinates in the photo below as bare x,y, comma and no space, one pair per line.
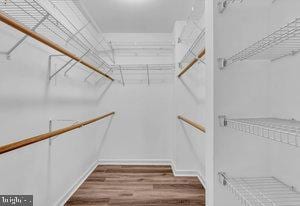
260,191
144,73
192,27
143,48
281,43
193,52
72,9
33,15
279,130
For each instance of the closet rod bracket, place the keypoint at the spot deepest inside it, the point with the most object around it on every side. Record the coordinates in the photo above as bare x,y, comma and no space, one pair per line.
148,76
58,120
56,72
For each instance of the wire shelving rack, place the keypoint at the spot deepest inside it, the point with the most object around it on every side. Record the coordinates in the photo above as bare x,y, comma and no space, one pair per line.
144,73
279,130
143,49
34,16
193,52
260,191
73,9
193,27
281,43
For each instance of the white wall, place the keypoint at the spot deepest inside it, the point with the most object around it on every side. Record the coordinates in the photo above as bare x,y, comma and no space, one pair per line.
189,101
141,130
283,98
253,89
28,101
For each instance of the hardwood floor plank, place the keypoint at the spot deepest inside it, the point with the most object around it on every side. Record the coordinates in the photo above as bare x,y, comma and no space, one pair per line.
136,186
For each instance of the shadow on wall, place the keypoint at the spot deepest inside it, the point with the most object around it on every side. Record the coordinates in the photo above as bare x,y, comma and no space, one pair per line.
196,99
187,136
102,142
104,92
50,160
33,98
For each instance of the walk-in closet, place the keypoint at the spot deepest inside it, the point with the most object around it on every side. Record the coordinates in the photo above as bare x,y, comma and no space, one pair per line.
149,102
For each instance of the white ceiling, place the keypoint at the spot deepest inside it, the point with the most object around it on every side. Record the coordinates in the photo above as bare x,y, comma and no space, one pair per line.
137,16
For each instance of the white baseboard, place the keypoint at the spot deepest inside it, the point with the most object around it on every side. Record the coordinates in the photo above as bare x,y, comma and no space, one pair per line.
72,190
190,173
77,184
134,161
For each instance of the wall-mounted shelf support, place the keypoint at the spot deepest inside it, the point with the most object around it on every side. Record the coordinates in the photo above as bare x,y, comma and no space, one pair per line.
101,78
32,140
8,53
112,52
140,73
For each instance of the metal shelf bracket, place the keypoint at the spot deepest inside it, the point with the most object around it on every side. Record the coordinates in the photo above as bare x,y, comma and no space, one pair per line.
222,5
222,178
222,120
61,68
9,52
222,63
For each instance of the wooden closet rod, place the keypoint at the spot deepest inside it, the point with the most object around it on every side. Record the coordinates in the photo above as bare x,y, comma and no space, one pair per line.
201,54
198,126
48,42
35,139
